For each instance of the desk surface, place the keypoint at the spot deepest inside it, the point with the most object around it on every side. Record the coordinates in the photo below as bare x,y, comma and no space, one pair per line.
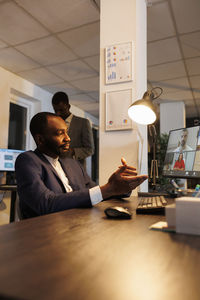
80,254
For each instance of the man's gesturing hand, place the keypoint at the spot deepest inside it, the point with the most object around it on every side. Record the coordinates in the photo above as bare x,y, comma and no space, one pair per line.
122,181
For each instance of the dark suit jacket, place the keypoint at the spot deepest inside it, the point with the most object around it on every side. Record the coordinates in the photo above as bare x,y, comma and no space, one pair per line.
81,136
41,190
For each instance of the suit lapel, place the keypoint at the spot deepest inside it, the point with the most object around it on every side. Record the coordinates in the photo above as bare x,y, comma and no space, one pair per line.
43,158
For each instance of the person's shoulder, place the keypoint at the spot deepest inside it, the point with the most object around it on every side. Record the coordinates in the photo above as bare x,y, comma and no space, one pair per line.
76,118
29,153
24,156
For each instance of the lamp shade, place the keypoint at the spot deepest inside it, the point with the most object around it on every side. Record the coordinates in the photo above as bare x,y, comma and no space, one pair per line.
143,111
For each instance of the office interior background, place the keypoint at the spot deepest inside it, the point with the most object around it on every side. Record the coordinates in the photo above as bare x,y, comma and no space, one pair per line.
48,46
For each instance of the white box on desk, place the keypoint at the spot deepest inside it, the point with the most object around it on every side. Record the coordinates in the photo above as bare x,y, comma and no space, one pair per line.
188,215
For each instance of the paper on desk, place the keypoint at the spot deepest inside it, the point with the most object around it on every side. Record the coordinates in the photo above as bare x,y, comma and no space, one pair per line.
162,226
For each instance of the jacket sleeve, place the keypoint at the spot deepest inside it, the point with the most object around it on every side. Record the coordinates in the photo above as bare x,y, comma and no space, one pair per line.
35,192
87,142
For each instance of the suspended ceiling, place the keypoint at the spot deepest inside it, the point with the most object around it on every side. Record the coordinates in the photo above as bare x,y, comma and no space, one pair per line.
55,44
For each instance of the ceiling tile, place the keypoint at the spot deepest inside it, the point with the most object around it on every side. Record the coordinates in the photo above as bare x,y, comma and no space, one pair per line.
187,15
94,95
87,84
195,82
84,41
89,106
173,85
63,14
3,45
63,86
81,98
163,51
40,76
72,70
159,22
93,62
48,50
184,95
16,26
95,113
14,61
193,65
191,44
166,71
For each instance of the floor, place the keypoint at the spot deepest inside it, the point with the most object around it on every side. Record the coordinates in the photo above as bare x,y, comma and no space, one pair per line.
4,207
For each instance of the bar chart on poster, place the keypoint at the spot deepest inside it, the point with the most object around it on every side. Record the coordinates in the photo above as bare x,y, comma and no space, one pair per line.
119,63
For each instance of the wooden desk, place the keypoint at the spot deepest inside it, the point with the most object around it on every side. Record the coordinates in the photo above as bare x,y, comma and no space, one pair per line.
79,254
13,190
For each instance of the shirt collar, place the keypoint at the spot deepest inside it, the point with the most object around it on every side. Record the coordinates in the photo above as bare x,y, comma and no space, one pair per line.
52,160
69,118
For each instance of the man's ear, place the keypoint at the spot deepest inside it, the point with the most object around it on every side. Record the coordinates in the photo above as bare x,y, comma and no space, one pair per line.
39,139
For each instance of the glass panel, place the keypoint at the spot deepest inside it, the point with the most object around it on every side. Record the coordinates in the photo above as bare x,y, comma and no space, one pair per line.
17,127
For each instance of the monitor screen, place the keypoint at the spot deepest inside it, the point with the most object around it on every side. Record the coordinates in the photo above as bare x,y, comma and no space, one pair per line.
182,159
7,159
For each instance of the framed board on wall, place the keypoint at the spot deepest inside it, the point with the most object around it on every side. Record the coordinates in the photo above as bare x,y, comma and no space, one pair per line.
117,104
119,63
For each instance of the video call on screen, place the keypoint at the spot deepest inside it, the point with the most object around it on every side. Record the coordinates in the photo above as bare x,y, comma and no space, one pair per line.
183,153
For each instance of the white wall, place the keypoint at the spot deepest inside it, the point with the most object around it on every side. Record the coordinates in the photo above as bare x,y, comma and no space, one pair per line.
123,21
16,88
12,85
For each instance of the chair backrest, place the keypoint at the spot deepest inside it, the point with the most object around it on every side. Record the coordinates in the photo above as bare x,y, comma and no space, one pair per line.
18,215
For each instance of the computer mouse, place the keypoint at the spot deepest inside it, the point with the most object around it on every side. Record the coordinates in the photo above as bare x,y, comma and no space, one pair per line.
118,212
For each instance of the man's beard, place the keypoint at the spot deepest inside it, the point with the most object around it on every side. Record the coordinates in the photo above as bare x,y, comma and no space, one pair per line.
55,149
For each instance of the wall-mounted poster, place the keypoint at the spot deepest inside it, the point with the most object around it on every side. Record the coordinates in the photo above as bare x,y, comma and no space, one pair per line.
119,63
117,104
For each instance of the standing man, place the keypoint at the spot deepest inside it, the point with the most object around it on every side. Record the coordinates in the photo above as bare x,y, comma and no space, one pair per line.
79,129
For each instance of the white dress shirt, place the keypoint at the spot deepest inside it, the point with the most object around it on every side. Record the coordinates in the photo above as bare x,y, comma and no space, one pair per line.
95,192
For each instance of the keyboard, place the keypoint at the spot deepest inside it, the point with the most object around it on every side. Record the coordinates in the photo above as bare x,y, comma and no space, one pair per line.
154,205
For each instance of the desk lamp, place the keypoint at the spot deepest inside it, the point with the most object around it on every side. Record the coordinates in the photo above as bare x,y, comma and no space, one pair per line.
143,111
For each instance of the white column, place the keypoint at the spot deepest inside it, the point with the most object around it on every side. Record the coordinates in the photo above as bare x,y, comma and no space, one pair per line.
172,116
123,21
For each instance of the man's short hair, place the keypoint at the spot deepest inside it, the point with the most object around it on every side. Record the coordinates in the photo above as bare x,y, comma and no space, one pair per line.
60,97
39,122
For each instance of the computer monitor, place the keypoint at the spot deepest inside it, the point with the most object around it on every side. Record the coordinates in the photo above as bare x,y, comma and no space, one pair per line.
7,159
182,159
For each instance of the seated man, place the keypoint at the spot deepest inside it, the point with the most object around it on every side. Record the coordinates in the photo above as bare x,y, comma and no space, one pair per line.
46,184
